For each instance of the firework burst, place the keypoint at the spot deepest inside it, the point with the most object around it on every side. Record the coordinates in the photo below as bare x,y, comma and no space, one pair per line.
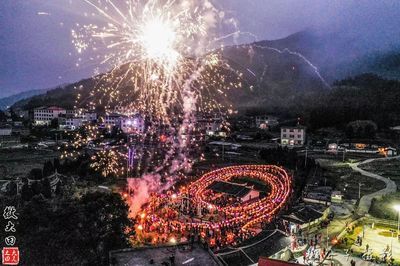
108,163
162,70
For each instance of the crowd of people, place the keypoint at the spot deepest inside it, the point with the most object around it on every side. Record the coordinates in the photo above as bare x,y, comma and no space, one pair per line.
193,213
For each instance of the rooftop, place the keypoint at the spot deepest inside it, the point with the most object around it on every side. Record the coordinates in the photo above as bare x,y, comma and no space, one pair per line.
183,254
233,189
304,214
293,127
53,108
264,261
268,245
5,126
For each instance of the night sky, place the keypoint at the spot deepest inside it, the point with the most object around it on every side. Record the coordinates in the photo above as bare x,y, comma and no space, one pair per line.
35,36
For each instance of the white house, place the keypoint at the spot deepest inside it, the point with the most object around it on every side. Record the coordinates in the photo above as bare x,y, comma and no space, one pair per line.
75,119
240,191
131,125
265,122
112,120
389,152
293,136
210,125
44,115
5,130
251,194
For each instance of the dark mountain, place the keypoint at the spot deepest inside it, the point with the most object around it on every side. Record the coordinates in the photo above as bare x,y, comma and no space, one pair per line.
10,100
293,74
386,64
273,79
363,97
338,55
63,96
269,79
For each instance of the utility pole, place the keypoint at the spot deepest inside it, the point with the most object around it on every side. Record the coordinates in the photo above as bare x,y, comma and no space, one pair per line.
305,158
128,157
327,238
223,150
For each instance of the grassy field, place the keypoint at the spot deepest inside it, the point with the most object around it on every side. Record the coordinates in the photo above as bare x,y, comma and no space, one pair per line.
389,169
18,163
341,177
350,238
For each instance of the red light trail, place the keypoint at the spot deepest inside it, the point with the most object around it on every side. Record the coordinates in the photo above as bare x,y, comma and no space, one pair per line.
162,214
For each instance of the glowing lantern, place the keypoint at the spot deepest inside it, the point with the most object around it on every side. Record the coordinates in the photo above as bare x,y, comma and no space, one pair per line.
163,138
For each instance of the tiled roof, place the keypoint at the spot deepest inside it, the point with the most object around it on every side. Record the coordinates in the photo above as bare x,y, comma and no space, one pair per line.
233,189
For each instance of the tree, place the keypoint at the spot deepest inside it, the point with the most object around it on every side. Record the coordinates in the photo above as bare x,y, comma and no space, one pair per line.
3,116
59,189
369,131
54,123
41,235
36,174
12,188
104,224
73,232
56,164
48,169
46,188
26,192
349,132
36,188
359,132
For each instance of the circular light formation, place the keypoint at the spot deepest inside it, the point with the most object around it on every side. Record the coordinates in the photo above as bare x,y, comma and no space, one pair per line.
248,214
233,220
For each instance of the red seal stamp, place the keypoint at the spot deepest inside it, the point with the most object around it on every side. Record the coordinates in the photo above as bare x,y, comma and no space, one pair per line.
10,256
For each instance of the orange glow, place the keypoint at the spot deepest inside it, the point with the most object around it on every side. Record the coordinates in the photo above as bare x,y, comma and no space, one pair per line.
239,218
163,138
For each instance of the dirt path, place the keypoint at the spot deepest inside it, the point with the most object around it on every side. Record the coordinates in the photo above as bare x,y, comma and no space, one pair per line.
391,187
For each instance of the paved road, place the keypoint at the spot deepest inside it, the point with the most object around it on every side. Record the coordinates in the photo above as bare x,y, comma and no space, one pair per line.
337,259
343,259
391,187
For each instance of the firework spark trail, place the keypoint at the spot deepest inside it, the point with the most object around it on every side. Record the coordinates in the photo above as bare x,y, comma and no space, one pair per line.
185,129
287,50
148,46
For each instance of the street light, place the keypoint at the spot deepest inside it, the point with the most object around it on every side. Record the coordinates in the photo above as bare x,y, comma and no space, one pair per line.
359,190
397,208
